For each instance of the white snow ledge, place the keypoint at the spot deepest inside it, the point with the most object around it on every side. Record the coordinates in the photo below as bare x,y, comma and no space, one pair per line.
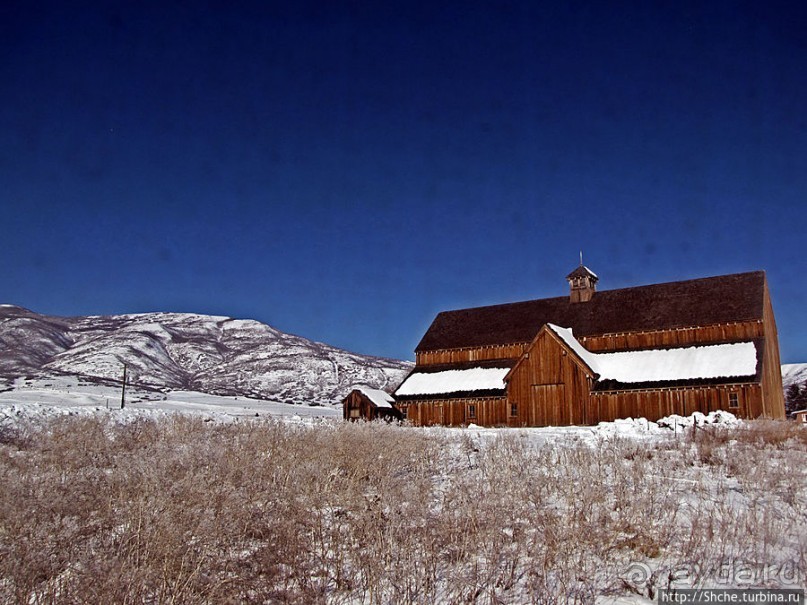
380,398
453,381
661,365
737,360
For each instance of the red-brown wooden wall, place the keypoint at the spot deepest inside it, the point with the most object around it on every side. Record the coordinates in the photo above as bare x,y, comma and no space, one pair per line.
550,386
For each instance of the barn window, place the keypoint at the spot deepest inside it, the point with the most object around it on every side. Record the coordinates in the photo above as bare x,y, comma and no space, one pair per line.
734,400
471,411
354,413
514,409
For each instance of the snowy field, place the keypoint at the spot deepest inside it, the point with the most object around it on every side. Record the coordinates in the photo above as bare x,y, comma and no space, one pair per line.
39,399
187,497
36,400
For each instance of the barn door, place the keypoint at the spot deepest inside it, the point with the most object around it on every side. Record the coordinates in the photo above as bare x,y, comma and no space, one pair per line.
438,413
548,406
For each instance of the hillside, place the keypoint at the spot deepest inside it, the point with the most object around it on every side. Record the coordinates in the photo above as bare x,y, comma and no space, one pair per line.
184,351
794,373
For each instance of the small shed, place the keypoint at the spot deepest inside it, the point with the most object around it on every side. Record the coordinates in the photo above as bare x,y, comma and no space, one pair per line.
365,403
800,416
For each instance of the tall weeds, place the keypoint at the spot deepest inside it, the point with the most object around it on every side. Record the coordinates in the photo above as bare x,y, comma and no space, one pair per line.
183,511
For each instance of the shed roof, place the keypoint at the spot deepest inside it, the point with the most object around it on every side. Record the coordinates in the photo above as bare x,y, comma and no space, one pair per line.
696,302
379,398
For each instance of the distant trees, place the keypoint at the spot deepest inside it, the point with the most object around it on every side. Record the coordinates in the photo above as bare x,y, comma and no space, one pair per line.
796,397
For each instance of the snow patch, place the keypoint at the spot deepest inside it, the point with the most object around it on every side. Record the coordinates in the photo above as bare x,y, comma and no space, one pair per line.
662,365
698,419
638,428
628,427
42,399
381,399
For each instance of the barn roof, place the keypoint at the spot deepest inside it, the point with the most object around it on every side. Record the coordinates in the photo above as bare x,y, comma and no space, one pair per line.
468,380
697,302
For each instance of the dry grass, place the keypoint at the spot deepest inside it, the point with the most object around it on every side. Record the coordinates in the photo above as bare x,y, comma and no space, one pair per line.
182,511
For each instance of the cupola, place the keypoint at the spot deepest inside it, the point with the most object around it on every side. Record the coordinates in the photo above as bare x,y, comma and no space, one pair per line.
582,284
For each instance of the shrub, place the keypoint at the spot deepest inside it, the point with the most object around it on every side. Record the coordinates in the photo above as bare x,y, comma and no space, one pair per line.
180,510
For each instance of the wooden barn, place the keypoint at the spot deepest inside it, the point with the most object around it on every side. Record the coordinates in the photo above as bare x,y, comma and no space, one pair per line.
649,351
364,403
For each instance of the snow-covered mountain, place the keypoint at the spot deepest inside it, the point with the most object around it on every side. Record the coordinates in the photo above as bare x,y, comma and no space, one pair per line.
169,351
794,373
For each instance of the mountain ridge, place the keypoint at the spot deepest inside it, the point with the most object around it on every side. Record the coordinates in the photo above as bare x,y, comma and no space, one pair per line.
794,373
167,351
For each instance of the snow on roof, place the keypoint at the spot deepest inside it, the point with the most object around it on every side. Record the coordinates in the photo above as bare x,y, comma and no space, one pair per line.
453,381
660,365
567,336
582,271
381,399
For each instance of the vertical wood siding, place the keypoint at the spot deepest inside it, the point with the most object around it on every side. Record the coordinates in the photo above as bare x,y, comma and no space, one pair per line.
657,403
773,395
356,401
488,411
549,386
679,337
720,333
509,351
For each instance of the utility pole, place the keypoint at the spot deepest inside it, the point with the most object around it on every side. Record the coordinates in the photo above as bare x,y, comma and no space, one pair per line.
123,388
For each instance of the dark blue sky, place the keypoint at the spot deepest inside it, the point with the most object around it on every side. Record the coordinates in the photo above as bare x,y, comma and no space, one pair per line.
345,171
